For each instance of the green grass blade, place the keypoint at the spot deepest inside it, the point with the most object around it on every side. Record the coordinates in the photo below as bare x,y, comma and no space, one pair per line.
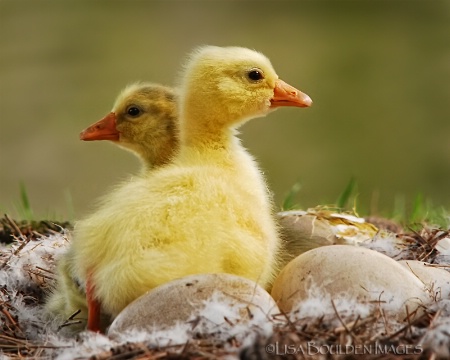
25,205
399,212
344,197
289,202
419,210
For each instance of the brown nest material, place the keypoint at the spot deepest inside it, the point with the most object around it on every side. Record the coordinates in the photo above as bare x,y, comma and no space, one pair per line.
331,336
422,244
194,349
372,337
29,229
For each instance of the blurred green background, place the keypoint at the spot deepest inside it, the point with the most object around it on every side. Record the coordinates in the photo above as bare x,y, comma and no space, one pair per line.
377,71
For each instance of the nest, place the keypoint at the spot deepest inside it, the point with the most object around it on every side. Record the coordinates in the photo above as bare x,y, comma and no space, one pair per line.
332,336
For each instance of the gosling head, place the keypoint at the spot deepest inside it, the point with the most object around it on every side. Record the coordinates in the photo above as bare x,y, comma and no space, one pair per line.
229,85
143,120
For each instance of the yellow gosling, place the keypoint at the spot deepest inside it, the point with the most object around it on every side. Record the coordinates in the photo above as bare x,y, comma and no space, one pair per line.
144,121
206,212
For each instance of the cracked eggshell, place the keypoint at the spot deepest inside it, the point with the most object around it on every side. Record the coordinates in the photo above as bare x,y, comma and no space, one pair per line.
437,280
301,232
305,230
183,299
350,272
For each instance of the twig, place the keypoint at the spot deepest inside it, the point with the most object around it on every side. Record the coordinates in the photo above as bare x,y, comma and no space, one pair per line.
342,321
406,327
14,340
21,246
37,234
437,265
46,270
356,324
14,226
431,325
40,274
69,323
70,320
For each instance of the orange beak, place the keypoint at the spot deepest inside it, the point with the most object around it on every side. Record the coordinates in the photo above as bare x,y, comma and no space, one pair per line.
105,129
287,95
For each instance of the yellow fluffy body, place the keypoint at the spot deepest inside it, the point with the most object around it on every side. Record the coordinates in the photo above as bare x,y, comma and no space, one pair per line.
152,136
207,212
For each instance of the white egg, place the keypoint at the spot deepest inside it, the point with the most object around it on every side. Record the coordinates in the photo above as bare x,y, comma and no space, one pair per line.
437,280
350,272
217,297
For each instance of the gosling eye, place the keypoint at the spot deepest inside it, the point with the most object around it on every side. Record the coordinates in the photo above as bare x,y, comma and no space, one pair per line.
255,75
133,111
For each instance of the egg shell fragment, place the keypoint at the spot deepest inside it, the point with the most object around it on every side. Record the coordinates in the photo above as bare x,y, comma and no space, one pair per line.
305,230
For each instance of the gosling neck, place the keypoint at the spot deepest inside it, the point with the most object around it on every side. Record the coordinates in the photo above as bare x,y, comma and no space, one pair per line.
158,153
212,131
